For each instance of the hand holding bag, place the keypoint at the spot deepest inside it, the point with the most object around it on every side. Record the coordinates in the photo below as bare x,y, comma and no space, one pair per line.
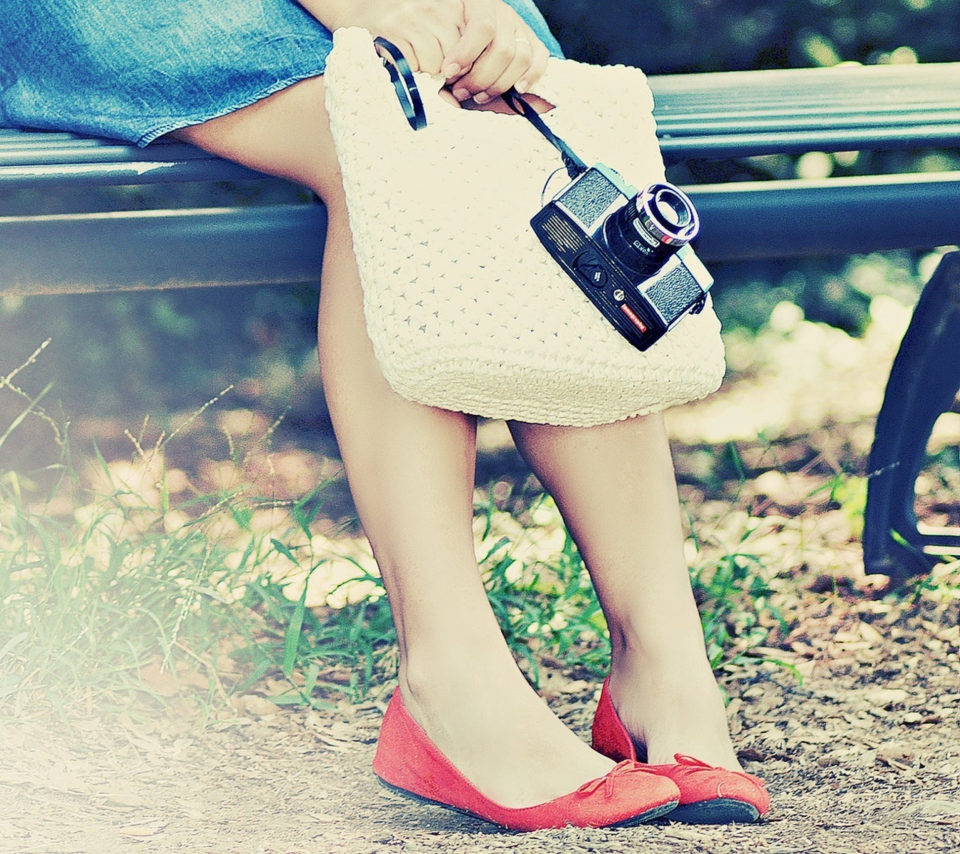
464,308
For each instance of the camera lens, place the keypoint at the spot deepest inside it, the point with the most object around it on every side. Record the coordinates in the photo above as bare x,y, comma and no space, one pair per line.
669,208
652,225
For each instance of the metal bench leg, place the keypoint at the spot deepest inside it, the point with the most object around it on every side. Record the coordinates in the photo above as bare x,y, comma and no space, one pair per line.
923,384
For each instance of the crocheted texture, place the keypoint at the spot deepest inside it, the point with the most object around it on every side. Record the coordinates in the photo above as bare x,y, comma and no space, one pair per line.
464,307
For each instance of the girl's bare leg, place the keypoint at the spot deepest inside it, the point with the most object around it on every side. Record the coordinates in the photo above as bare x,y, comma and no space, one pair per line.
615,487
411,472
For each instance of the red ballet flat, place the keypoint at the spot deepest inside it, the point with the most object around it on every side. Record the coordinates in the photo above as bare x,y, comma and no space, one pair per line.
708,794
409,763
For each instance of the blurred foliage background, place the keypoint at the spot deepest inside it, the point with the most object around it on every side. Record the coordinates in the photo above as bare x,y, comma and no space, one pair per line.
137,353
722,35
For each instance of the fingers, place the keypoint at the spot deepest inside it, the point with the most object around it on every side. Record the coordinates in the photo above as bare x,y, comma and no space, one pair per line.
529,63
477,32
498,68
424,30
424,53
482,47
496,50
536,69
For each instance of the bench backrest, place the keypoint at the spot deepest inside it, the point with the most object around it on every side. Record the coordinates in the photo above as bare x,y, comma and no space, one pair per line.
719,115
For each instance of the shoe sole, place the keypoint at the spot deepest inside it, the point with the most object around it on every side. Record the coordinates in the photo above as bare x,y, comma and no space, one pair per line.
717,811
650,815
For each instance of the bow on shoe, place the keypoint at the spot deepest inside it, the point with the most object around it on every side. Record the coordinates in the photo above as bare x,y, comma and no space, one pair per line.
609,780
695,765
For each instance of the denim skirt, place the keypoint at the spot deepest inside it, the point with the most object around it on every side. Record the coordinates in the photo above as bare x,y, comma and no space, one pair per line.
133,70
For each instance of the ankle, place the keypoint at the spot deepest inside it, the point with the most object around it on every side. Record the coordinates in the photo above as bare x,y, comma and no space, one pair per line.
636,650
432,676
671,708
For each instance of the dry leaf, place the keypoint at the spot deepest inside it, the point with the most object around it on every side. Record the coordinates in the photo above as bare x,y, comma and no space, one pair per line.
143,831
870,634
63,779
254,704
159,679
897,754
885,696
125,799
935,810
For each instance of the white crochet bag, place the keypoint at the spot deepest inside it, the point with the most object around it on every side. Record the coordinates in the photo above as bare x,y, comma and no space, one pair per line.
465,308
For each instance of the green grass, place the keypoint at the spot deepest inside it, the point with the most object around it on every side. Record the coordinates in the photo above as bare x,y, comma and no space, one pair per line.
139,579
87,603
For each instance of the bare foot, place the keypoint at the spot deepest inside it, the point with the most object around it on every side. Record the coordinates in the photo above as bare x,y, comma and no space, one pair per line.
672,704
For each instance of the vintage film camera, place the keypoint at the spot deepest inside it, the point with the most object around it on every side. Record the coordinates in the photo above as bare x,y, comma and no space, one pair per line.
628,251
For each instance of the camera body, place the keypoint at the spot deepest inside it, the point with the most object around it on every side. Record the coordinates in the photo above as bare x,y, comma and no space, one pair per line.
628,251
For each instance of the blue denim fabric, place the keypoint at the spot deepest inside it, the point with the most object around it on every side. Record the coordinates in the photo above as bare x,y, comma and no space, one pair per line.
134,70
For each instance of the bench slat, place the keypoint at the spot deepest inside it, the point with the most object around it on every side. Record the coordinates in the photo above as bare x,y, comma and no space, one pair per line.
127,172
863,90
699,115
743,113
789,219
79,253
276,245
750,143
730,114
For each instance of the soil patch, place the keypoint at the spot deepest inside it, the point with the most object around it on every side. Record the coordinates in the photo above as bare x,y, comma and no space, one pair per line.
862,755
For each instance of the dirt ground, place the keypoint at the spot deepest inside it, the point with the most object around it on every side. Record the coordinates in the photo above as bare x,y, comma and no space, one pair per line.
862,755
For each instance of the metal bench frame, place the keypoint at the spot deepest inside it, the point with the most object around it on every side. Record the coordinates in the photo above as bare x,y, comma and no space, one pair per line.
710,116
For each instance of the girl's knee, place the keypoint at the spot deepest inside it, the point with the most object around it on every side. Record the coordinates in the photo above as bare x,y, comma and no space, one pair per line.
286,134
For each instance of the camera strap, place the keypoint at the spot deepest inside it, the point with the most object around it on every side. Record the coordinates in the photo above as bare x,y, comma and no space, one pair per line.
575,166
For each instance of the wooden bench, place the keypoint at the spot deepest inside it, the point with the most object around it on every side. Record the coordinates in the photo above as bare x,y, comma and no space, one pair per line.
700,116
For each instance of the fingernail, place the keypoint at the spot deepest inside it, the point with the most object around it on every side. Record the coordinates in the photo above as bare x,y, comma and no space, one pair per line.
481,97
521,86
461,94
450,71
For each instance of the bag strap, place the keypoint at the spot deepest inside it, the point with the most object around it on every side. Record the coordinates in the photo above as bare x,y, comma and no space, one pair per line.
575,166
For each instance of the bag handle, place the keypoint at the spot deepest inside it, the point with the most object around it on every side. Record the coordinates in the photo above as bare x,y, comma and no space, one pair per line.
403,82
405,85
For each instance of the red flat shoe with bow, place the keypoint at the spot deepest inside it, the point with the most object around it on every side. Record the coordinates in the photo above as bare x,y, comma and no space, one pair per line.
409,763
708,794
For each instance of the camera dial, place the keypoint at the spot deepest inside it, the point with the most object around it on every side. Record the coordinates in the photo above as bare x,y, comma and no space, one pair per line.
654,223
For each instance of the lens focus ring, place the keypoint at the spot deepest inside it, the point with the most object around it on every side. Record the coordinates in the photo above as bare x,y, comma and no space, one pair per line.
665,214
651,226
